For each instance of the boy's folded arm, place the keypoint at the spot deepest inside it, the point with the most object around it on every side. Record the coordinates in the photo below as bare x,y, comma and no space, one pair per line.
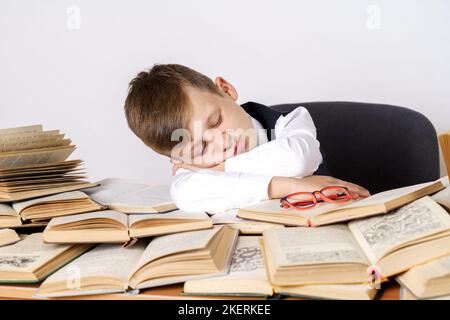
215,191
294,153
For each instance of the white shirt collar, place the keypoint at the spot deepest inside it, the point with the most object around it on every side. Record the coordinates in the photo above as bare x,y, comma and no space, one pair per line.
261,132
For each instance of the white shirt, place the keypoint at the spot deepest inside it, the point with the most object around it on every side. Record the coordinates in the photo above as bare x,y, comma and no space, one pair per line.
294,152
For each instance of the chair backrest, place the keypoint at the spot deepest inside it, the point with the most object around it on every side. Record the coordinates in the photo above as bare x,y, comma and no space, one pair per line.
377,146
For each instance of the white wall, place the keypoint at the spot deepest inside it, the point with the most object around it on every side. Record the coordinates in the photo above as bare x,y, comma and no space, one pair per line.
273,51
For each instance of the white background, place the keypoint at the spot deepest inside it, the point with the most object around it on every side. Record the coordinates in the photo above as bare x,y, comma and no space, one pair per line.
272,51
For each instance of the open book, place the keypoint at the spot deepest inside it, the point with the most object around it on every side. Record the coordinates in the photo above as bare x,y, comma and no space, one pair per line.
131,196
9,218
230,218
45,208
165,260
113,226
8,236
327,213
429,280
385,245
30,260
248,277
33,163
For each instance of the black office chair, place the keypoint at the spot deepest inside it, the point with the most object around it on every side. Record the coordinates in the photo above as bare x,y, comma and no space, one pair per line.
377,146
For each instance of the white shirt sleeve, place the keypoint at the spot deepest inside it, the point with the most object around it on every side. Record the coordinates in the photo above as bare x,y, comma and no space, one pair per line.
215,191
295,151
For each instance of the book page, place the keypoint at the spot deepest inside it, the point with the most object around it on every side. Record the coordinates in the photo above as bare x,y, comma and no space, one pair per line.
228,216
106,214
379,234
245,226
414,278
273,206
71,195
130,192
176,214
8,236
33,142
103,260
247,266
443,197
7,210
68,165
385,196
247,260
438,268
20,130
304,246
176,243
28,254
445,263
13,160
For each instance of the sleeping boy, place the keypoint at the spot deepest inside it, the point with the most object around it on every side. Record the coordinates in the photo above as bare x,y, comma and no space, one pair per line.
230,155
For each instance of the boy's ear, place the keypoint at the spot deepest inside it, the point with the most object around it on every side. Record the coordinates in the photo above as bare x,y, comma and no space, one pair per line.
226,87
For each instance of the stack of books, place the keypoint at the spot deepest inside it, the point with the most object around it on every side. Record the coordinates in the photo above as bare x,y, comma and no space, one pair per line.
352,260
107,268
348,259
125,235
134,210
33,163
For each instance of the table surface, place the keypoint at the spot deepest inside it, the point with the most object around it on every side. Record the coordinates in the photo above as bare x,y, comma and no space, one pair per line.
171,292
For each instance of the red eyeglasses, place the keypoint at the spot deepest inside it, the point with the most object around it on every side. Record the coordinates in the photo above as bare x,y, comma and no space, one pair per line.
307,200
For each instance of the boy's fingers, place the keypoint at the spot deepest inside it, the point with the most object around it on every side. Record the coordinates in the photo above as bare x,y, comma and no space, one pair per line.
352,187
354,195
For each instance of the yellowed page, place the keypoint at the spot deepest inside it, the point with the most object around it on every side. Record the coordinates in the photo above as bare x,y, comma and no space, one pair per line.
176,243
8,237
245,226
33,142
176,214
7,210
29,254
130,196
106,214
386,196
20,130
443,197
105,260
434,269
12,160
71,195
273,206
311,246
247,264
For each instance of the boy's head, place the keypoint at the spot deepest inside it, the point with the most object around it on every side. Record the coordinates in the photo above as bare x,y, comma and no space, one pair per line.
171,101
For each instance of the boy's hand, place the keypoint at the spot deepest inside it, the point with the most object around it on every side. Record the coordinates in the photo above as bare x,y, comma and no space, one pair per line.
282,186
